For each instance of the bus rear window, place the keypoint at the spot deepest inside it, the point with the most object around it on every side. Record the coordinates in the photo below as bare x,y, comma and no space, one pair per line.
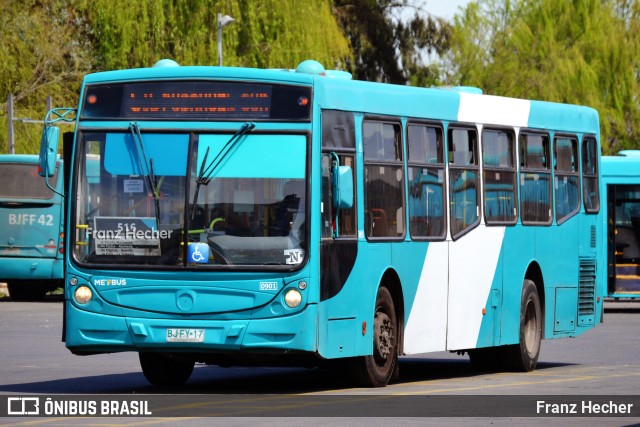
21,181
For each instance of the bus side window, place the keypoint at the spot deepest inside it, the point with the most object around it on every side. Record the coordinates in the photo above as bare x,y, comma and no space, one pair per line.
590,175
535,179
383,179
426,181
499,177
463,180
345,226
338,137
567,178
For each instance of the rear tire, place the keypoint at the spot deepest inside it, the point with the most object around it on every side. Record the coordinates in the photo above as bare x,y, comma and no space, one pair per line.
377,369
523,357
162,370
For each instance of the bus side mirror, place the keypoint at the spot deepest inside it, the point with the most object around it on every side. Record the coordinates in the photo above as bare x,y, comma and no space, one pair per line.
49,151
342,187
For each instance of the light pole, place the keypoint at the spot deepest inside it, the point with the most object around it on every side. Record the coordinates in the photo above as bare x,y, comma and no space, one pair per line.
223,21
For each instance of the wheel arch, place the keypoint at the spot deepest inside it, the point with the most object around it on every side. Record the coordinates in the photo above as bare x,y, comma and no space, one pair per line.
391,281
534,273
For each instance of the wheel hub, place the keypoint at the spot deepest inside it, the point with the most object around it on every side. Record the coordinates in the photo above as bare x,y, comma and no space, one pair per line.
383,339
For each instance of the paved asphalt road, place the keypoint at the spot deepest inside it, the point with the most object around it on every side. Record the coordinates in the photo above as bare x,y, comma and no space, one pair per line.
604,361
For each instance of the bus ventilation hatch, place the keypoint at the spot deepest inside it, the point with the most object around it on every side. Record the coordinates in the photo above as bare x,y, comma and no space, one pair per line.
586,291
593,236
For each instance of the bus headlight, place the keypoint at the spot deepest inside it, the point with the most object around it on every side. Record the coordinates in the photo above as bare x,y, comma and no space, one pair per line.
83,294
293,298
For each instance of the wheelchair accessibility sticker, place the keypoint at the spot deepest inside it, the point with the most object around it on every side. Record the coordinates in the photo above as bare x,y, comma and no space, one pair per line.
198,253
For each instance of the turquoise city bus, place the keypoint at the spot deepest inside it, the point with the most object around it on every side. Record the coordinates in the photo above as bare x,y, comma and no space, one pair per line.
621,181
31,235
298,217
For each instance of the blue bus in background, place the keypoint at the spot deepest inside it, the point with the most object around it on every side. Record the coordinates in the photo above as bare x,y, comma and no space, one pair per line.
297,217
31,235
621,180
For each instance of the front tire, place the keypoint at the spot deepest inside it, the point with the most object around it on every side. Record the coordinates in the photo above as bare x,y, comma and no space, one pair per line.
162,370
377,369
523,357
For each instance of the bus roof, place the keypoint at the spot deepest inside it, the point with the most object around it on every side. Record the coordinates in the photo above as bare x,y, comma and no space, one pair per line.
200,72
621,166
335,90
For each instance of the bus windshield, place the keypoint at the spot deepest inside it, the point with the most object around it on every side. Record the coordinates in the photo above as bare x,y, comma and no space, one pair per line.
150,204
21,181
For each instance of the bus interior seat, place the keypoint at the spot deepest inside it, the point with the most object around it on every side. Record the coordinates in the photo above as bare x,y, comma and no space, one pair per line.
198,220
289,211
377,224
293,192
635,224
627,241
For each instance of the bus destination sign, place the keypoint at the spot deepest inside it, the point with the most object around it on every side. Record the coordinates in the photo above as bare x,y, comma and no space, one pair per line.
193,100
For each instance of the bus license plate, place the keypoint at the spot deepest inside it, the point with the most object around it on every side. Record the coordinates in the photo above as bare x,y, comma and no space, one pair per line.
185,335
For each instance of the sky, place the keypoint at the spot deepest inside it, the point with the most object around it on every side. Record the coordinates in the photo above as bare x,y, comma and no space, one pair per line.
444,8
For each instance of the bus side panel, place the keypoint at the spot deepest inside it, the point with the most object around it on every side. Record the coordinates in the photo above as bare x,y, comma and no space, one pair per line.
425,298
591,269
557,250
345,312
473,264
489,334
518,254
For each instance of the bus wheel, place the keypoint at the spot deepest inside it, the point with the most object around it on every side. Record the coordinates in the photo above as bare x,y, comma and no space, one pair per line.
26,291
160,369
376,370
523,357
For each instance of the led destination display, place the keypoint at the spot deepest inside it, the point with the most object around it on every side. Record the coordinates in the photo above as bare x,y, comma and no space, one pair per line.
194,100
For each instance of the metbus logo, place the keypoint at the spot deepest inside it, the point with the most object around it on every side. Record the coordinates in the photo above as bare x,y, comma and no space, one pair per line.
109,282
23,406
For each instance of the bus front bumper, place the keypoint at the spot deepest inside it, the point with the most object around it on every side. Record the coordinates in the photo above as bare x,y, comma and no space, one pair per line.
89,333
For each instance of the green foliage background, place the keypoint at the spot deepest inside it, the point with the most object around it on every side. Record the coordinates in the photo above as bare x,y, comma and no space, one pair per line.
579,52
47,46
575,51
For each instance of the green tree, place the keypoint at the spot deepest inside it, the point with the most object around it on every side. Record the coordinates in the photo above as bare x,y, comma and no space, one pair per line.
580,52
46,47
387,45
266,34
420,39
39,57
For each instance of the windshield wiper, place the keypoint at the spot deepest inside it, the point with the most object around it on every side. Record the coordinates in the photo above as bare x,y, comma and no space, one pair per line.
205,172
148,170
